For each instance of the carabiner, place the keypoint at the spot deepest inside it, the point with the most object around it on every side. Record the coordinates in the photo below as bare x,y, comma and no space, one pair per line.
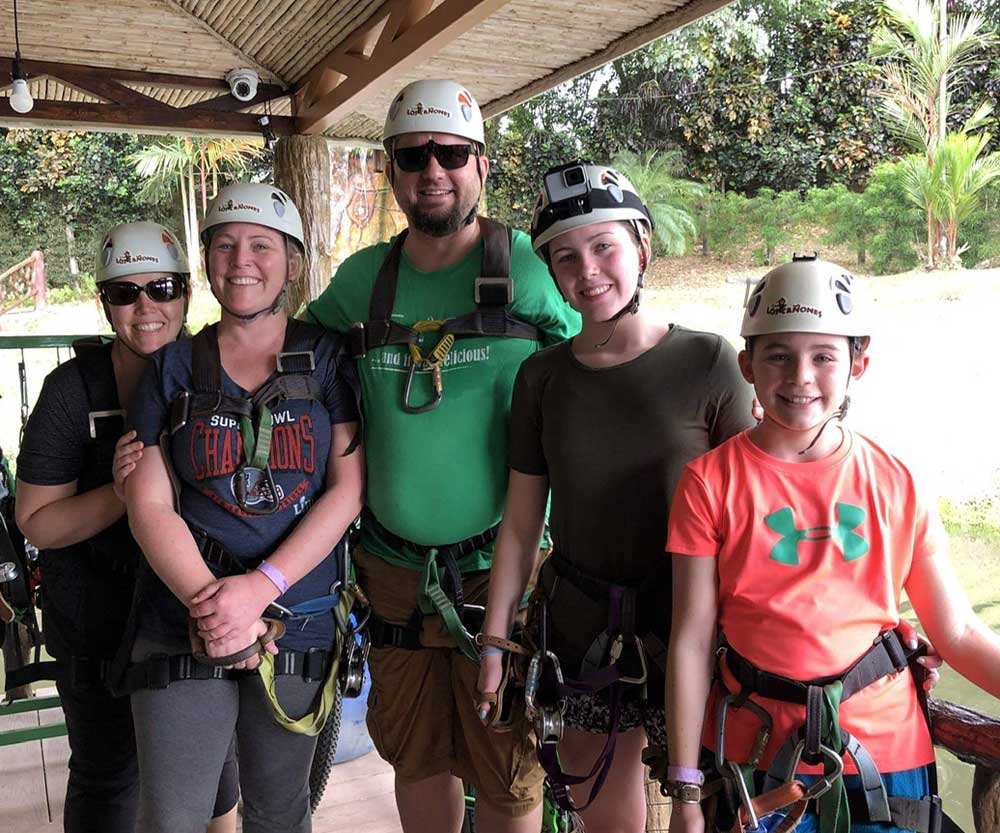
825,782
641,679
766,723
438,389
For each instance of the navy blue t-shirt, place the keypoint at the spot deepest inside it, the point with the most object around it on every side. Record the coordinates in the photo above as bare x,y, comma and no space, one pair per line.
207,453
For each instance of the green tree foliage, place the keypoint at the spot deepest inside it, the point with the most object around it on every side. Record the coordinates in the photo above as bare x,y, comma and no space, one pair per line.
54,180
670,199
897,223
845,215
928,50
191,168
555,127
765,93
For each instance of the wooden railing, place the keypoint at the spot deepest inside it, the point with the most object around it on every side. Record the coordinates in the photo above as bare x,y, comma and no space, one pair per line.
973,737
24,284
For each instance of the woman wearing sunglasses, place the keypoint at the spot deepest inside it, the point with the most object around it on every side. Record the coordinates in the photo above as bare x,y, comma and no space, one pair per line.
67,507
255,420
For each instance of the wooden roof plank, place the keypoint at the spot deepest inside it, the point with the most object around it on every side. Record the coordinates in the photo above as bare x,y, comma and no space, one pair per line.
206,27
423,39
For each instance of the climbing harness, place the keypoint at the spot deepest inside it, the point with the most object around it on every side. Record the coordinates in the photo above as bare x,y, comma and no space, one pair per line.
106,559
294,379
820,741
461,620
493,296
256,493
621,655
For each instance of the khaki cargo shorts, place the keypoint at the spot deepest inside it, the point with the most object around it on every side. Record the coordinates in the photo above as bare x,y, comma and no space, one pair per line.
422,709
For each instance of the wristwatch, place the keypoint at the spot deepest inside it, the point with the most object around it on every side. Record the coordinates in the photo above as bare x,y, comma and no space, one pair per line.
682,792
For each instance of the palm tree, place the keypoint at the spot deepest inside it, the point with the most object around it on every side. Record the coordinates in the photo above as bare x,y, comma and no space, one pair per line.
925,49
964,172
669,198
190,165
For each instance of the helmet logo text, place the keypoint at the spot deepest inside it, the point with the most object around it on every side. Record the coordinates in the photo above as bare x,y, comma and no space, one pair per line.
128,257
421,110
782,307
229,205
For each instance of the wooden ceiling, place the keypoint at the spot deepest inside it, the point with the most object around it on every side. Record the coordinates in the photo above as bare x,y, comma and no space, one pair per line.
325,66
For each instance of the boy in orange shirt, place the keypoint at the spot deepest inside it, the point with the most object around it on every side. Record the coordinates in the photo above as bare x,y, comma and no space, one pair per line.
792,543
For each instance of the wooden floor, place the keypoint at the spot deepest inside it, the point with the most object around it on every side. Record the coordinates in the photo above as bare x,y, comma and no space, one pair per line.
358,798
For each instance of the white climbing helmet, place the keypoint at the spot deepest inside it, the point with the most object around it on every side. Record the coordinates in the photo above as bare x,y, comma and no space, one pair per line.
581,194
808,295
258,203
434,107
137,248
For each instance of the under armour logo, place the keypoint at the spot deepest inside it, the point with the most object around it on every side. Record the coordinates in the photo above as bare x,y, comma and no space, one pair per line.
849,518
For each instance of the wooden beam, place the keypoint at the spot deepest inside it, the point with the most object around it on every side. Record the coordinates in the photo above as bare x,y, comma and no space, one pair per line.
636,39
127,108
398,50
68,115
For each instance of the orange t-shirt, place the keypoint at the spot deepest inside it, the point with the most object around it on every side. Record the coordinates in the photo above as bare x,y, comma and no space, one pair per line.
812,560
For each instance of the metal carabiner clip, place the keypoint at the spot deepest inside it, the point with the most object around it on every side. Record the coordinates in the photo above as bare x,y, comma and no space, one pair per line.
766,723
641,679
745,799
438,389
825,782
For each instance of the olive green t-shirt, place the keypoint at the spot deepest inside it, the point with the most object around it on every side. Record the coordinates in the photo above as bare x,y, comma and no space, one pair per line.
613,442
440,476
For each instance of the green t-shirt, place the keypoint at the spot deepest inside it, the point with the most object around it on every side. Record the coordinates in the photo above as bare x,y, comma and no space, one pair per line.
440,476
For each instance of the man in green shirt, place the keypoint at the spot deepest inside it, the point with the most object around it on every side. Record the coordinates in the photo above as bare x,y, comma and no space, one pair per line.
439,332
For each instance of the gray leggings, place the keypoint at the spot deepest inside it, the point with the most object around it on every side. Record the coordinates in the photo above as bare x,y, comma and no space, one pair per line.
182,734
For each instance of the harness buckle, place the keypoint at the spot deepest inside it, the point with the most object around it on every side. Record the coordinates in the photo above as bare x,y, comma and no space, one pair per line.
494,292
289,362
356,339
935,814
93,416
179,410
158,671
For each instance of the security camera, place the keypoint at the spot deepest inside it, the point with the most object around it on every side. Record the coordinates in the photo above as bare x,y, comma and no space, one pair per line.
243,83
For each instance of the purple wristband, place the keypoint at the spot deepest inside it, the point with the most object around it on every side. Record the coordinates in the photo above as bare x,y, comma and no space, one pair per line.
275,575
685,775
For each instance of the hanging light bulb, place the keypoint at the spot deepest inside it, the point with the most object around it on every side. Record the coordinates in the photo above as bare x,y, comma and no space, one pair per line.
20,99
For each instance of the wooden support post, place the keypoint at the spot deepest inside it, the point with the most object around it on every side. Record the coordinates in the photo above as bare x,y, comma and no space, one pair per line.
986,799
40,289
302,169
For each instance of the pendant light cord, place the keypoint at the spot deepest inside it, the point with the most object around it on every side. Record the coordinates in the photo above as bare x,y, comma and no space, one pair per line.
17,39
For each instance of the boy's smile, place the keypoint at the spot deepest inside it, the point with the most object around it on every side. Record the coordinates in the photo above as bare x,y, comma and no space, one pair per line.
801,380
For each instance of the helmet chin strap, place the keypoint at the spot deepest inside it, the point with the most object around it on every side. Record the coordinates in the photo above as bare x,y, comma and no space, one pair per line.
841,413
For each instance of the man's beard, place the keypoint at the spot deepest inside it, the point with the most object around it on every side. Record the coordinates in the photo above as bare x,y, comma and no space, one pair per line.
434,225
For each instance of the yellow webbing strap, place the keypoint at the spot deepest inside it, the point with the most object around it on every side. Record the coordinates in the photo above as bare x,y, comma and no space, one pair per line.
436,356
310,724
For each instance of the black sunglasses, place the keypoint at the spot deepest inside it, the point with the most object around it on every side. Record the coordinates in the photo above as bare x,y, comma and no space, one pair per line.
123,293
414,159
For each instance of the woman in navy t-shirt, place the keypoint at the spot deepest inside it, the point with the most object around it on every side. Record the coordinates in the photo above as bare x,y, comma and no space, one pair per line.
258,425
